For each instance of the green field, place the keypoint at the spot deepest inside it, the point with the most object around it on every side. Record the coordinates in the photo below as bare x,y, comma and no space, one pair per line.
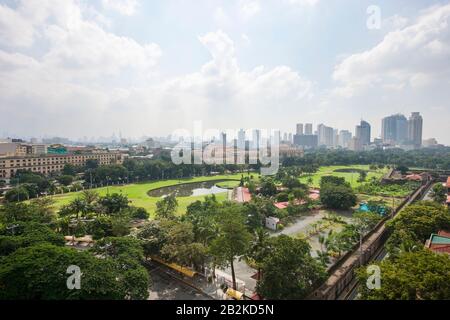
137,193
352,178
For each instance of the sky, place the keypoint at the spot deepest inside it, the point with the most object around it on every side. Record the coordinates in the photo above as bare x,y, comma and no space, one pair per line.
79,68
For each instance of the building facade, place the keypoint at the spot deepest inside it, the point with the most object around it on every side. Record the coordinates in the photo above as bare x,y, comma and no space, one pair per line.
363,133
394,129
46,164
415,124
308,129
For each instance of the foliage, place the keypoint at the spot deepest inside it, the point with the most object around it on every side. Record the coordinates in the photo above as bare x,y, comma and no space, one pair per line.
439,193
421,275
232,240
65,180
289,271
167,207
335,193
39,273
114,203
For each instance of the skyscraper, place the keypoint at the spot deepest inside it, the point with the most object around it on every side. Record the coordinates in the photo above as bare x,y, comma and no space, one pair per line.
309,128
394,129
299,130
362,132
241,139
415,123
326,135
345,137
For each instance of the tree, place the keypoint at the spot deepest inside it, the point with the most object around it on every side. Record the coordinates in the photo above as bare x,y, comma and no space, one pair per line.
362,176
232,241
25,234
289,271
153,238
421,275
114,203
268,188
259,248
167,207
336,196
65,180
69,170
416,223
439,193
17,194
116,247
22,276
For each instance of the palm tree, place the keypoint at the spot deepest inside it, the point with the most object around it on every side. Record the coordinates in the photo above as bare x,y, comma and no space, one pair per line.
259,248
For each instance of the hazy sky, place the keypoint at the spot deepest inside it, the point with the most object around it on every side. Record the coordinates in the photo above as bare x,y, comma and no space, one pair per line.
90,68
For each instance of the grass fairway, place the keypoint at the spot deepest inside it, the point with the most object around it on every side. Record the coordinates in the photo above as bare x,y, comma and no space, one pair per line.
351,177
137,193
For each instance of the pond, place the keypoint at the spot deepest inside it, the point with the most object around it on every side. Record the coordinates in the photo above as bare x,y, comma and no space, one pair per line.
189,189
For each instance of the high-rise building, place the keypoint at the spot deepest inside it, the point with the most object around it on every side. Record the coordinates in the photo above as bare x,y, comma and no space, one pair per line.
355,144
394,129
241,139
362,132
290,137
299,128
415,123
285,137
256,137
307,141
309,128
344,138
326,135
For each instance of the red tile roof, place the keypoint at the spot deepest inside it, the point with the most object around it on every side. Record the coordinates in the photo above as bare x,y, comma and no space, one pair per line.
448,182
444,233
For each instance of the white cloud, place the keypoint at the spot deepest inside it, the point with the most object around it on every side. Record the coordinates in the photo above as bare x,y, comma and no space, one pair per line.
304,3
249,8
415,55
125,7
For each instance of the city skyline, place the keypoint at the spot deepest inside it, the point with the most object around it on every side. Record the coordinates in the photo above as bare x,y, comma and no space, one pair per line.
78,68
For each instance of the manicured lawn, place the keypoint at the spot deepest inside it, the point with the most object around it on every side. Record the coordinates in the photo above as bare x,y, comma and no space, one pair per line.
351,177
137,193
228,184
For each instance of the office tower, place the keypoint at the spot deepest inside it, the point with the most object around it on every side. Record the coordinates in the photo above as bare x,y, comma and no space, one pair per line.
307,141
355,144
394,129
362,132
308,128
326,135
299,128
415,124
290,137
241,139
256,137
344,138
285,137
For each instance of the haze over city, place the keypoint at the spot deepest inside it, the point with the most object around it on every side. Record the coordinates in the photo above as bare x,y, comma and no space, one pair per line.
93,68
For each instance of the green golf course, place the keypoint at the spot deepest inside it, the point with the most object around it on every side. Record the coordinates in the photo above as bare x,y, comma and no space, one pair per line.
138,193
351,177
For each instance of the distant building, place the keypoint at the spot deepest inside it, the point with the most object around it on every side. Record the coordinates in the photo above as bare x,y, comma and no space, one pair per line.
355,144
241,139
49,163
362,132
439,243
344,138
326,136
415,124
307,141
272,223
299,130
394,129
308,129
432,142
